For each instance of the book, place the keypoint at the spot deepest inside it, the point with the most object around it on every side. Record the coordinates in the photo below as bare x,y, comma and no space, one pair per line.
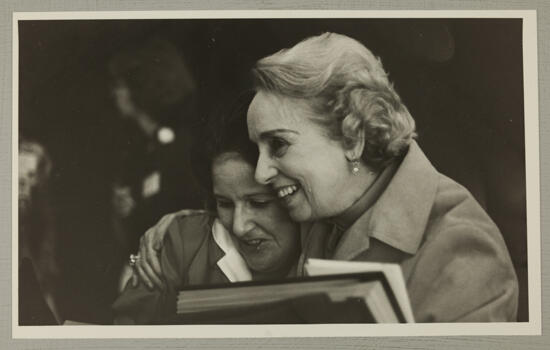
392,272
329,294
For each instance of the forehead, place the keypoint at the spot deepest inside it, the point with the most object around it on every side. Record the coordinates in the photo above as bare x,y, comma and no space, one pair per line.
269,111
232,175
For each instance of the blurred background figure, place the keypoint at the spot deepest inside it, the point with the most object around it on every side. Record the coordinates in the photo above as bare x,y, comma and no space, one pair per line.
38,267
155,94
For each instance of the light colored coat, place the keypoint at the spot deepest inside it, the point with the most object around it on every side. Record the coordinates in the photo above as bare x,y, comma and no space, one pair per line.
454,259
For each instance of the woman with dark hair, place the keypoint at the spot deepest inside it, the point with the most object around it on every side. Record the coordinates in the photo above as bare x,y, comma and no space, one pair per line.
249,235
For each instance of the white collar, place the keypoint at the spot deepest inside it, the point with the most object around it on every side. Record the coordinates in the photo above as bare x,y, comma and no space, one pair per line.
232,263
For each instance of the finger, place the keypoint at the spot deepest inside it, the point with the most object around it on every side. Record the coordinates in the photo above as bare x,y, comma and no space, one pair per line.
163,225
154,262
160,225
150,264
142,253
154,243
144,240
150,255
150,240
134,279
146,266
156,236
144,278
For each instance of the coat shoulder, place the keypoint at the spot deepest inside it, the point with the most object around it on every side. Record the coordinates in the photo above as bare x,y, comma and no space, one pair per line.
455,207
188,232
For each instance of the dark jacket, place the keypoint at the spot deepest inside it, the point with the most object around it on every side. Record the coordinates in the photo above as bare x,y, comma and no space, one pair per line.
197,250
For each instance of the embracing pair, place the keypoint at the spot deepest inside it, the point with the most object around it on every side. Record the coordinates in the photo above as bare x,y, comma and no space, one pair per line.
319,161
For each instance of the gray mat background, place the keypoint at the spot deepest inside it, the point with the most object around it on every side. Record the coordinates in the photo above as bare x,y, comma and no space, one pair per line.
7,7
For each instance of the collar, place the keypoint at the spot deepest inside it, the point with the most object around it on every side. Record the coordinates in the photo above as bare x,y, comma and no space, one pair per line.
232,264
400,215
366,200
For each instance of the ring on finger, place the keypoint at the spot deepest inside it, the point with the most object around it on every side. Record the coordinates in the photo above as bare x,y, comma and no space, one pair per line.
134,258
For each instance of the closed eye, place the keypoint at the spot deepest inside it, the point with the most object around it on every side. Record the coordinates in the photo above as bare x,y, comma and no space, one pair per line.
277,146
222,203
261,200
260,204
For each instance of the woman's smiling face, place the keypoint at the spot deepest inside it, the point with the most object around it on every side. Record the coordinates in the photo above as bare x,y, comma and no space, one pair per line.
307,169
263,232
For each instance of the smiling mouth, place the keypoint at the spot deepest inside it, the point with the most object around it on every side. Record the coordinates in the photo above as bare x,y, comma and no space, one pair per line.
253,243
287,191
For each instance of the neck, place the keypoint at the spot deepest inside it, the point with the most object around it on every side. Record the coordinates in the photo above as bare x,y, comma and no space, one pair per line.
360,184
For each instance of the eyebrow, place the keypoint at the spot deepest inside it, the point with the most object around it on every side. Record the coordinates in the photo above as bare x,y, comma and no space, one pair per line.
267,134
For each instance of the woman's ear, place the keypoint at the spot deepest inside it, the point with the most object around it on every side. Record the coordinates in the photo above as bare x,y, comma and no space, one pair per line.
355,145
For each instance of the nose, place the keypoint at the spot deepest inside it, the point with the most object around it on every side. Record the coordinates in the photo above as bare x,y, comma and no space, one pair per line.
242,221
265,171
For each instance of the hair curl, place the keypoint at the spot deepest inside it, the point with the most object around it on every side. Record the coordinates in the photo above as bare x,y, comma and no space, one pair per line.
347,88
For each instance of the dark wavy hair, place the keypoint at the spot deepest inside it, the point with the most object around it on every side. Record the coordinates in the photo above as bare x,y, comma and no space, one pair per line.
225,131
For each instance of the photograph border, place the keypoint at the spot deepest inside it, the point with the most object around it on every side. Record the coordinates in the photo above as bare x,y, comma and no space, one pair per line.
532,327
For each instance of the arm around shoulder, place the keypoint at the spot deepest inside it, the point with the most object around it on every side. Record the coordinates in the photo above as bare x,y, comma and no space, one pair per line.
142,305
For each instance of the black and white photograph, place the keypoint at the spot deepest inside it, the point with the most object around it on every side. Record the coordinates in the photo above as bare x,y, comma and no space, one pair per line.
287,174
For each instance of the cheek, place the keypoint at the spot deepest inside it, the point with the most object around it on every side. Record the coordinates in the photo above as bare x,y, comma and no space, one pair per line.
288,235
324,181
316,164
273,219
226,217
284,231
322,177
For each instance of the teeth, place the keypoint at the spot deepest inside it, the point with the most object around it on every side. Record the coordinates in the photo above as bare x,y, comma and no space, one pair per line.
283,192
254,242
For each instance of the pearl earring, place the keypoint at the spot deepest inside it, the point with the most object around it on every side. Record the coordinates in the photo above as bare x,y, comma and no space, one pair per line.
355,167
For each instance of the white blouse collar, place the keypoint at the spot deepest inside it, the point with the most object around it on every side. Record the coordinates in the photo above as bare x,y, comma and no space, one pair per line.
232,264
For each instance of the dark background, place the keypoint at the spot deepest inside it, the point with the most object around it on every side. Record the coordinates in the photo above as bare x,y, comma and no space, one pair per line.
461,80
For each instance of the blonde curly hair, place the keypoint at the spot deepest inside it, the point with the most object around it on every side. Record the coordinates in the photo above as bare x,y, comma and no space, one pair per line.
347,87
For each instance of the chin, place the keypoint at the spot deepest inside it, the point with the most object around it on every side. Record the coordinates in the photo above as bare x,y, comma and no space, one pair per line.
300,216
255,265
260,267
264,266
